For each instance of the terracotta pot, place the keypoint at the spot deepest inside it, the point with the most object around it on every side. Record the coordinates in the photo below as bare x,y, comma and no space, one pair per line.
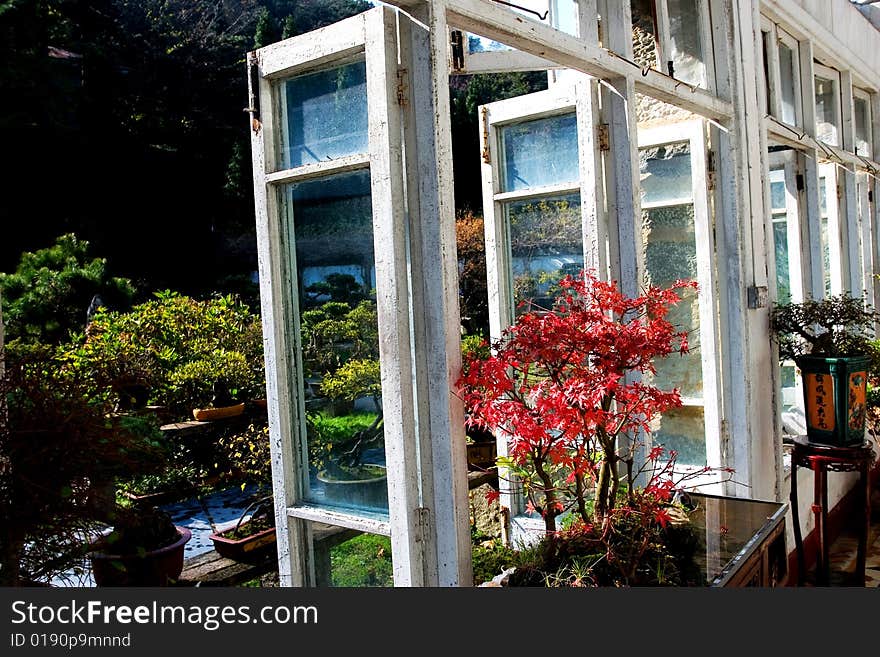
159,567
208,414
241,549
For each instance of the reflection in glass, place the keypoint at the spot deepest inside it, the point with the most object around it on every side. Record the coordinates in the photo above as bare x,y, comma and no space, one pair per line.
361,561
670,254
862,116
644,33
540,152
335,276
826,111
687,47
546,244
325,115
787,81
779,217
482,44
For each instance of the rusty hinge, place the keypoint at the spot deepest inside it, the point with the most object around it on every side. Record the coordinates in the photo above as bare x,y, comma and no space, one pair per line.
423,519
603,137
484,118
253,91
402,87
456,41
870,196
710,170
799,181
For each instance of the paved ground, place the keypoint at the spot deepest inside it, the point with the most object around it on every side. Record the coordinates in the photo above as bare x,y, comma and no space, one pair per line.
202,515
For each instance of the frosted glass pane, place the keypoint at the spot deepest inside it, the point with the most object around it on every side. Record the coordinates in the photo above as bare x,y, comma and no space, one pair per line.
644,33
540,152
666,173
783,271
862,113
787,62
546,243
777,195
682,430
826,111
671,254
335,280
325,115
687,47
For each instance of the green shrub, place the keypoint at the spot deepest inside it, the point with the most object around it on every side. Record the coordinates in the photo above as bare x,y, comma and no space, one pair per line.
47,296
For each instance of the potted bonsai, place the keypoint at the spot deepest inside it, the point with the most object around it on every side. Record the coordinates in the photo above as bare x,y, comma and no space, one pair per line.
570,389
253,535
144,548
830,340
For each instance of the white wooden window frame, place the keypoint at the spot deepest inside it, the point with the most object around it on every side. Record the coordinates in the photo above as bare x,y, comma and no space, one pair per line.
666,50
572,98
784,167
832,75
864,96
780,36
694,132
828,177
422,554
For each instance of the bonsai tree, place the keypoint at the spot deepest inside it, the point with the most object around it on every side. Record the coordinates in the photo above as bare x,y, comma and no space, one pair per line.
831,327
59,444
570,390
567,388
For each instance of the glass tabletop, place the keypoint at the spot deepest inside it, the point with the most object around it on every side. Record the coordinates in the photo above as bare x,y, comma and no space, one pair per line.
730,529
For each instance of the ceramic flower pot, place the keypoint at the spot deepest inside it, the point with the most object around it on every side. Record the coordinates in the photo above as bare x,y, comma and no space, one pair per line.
160,567
835,391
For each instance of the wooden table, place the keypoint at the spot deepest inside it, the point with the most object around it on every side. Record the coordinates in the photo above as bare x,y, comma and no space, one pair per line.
821,458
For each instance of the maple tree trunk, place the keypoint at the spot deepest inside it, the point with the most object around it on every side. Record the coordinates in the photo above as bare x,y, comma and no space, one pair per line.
549,498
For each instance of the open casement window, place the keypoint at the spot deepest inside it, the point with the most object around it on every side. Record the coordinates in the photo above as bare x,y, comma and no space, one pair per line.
830,228
788,258
678,243
338,297
862,123
782,72
540,210
674,36
826,84
472,53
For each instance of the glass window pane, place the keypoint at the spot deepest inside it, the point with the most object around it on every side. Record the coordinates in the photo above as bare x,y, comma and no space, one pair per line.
777,194
783,274
670,253
335,274
324,115
788,91
862,112
687,46
826,111
346,558
565,16
539,152
682,429
546,243
644,33
666,174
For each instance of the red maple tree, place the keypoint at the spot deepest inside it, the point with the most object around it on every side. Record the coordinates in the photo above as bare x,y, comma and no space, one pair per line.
569,389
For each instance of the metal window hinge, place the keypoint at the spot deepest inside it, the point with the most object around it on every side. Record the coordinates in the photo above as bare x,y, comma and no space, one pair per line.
799,181
870,196
710,170
603,137
402,88
423,519
484,118
456,41
254,92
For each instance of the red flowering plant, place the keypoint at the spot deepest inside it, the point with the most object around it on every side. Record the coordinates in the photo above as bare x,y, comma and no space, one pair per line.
570,390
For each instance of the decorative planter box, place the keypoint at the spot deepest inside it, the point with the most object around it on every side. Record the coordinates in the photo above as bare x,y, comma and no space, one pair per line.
243,548
835,391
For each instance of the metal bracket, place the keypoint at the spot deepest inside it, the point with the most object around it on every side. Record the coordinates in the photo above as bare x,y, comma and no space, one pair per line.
484,117
456,40
603,137
254,91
